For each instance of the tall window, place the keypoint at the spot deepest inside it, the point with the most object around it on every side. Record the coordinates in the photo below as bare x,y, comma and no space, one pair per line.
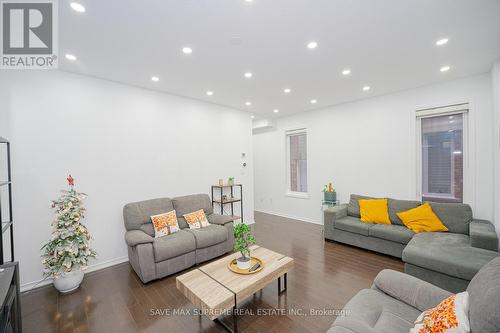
442,153
297,161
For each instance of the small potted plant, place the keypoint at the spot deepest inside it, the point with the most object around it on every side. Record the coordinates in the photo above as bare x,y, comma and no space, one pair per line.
230,181
330,194
243,238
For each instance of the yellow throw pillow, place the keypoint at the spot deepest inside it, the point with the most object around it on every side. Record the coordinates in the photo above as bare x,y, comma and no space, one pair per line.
165,224
422,219
197,220
374,211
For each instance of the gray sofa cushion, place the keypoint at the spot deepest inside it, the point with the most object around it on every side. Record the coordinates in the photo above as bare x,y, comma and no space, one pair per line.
352,224
446,253
409,289
373,311
395,233
136,214
484,301
191,203
397,206
455,216
208,236
182,223
173,245
353,207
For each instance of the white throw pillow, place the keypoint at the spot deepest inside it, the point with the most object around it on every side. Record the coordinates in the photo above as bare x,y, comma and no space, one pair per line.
449,316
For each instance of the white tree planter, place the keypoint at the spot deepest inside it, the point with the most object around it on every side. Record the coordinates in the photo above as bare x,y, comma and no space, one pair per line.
68,282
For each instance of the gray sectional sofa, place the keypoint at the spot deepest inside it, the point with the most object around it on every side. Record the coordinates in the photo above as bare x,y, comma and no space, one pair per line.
396,300
153,258
446,259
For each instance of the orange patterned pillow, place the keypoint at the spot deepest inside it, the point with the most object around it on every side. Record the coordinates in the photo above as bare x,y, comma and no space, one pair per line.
197,220
451,315
165,224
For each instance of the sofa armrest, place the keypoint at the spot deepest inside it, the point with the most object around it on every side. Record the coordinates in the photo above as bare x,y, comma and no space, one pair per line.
220,219
135,237
409,289
483,235
330,215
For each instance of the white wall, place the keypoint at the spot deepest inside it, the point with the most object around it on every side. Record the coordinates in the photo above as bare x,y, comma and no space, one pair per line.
120,143
369,147
496,138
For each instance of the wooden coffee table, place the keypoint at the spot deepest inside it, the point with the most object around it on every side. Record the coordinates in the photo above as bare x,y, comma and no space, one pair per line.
217,291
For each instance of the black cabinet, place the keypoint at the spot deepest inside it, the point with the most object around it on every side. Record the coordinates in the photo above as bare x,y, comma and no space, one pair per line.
10,313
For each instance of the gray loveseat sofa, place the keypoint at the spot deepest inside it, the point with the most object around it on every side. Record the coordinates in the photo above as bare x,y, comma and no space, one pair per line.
154,258
446,259
396,300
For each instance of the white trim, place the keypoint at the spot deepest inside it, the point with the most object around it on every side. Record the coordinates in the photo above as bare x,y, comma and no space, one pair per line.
300,195
288,216
105,264
443,110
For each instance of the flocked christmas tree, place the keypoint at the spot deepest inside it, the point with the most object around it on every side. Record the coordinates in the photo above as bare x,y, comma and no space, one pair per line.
68,248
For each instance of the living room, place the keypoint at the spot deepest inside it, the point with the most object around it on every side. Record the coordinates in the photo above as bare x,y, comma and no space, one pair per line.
212,166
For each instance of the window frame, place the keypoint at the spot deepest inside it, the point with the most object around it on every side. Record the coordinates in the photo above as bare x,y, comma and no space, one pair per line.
447,110
288,189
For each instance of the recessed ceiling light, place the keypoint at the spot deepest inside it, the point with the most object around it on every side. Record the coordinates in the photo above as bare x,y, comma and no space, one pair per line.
312,45
313,101
78,7
248,0
346,72
287,90
209,93
248,75
276,110
70,57
187,50
444,68
366,88
155,78
252,117
442,41
248,103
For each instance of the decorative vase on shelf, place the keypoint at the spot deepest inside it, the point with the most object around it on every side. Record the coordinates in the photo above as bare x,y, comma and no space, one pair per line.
230,181
330,196
67,253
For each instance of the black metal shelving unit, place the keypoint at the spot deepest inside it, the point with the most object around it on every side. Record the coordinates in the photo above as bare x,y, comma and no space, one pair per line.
8,224
230,201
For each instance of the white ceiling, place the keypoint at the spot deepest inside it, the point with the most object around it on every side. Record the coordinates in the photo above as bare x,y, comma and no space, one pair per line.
388,45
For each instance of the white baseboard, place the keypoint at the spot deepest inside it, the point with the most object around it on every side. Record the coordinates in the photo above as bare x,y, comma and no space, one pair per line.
91,268
289,216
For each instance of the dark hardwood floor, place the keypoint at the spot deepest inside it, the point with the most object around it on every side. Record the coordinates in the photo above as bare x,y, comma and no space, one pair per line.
326,276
